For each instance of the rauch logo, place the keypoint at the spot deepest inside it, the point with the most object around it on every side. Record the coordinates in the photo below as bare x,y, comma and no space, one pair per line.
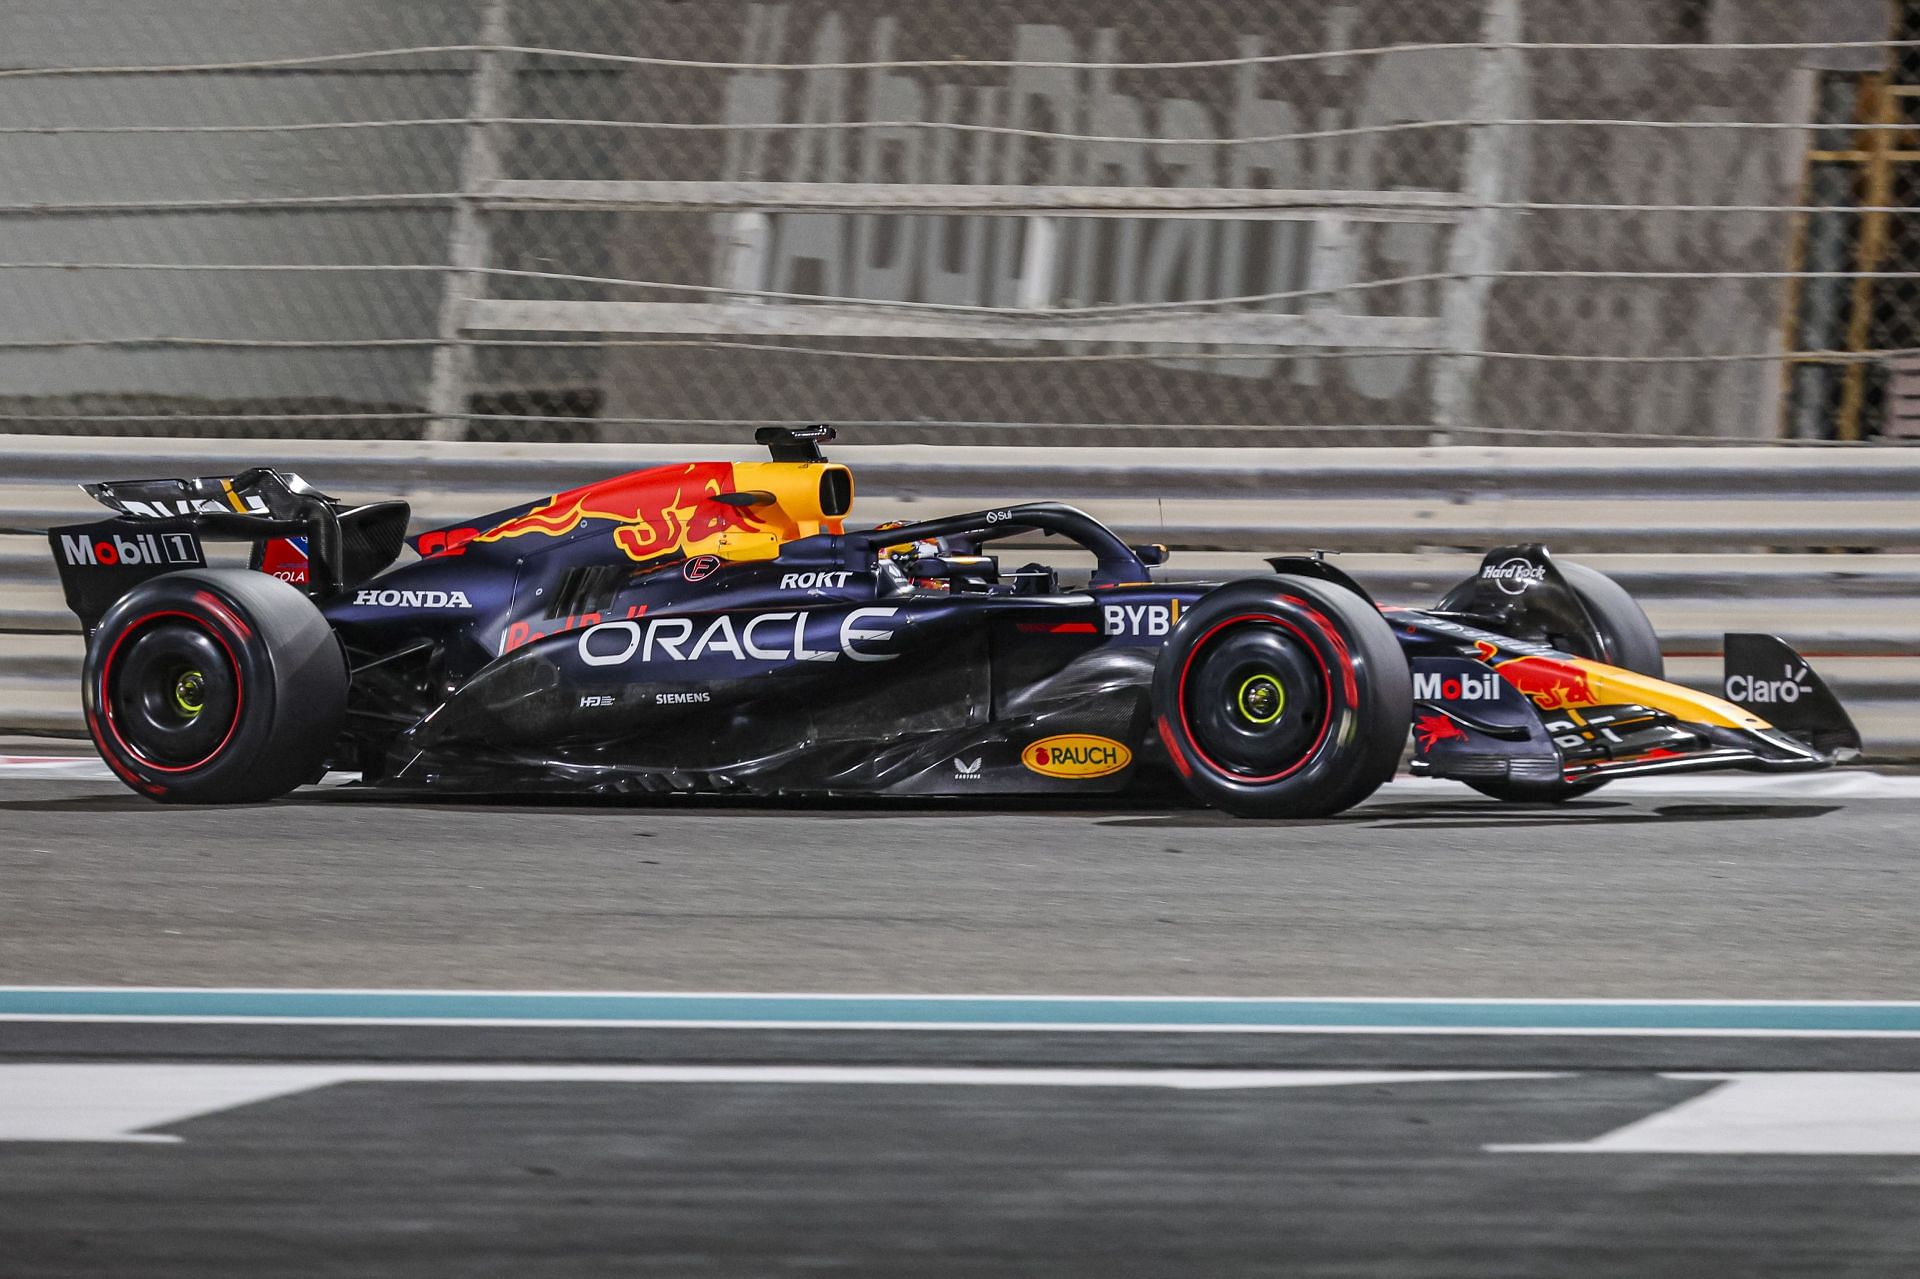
1076,755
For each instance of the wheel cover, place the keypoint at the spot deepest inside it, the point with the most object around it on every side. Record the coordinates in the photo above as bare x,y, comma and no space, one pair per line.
1256,698
170,692
1262,699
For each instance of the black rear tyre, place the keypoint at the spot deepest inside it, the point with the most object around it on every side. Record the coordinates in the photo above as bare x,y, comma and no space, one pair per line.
1283,697
1626,639
214,686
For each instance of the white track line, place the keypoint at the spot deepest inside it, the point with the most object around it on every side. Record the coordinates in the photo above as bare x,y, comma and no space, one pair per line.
93,1102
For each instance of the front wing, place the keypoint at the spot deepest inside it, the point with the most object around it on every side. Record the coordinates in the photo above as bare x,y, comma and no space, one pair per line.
1493,708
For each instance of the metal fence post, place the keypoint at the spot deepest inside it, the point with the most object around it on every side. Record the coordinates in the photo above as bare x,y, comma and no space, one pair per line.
1038,265
468,241
1476,240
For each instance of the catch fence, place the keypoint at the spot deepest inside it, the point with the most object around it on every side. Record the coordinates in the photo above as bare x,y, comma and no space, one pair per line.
1010,222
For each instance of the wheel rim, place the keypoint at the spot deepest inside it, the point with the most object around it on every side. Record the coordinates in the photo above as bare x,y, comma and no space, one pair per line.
1255,699
172,694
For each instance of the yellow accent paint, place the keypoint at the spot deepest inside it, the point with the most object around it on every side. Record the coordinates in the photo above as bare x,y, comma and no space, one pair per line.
795,511
747,547
1279,693
1613,685
233,498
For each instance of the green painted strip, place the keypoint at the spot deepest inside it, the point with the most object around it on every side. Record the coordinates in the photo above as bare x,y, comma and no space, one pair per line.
907,1011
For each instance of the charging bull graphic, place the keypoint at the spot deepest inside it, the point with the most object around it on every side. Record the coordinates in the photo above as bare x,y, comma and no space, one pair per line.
1553,684
658,512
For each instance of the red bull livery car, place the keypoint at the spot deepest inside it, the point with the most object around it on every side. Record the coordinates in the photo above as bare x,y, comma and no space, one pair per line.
722,627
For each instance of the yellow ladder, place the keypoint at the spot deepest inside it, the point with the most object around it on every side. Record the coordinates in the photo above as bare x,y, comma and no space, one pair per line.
1881,143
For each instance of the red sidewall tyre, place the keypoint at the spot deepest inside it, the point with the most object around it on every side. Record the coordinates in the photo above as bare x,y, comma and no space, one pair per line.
214,686
1283,697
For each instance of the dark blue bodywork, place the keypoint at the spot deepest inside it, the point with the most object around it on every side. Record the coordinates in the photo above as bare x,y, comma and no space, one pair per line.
829,669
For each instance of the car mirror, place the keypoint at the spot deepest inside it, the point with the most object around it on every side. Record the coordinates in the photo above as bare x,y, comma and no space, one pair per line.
1153,554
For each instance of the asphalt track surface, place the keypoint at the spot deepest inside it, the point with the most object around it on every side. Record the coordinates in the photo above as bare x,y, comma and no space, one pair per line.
1756,892
1095,1162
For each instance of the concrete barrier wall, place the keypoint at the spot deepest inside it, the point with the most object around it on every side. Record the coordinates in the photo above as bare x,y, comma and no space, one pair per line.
1820,547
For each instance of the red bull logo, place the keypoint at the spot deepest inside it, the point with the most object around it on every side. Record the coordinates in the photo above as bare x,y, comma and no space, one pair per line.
1430,730
1552,684
658,512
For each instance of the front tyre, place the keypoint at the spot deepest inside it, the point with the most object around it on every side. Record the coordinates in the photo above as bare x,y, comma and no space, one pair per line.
214,686
1283,697
1623,637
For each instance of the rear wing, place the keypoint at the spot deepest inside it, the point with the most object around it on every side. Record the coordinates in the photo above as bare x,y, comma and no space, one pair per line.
298,533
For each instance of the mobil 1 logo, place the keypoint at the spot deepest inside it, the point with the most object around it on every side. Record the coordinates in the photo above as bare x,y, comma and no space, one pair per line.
100,548
99,563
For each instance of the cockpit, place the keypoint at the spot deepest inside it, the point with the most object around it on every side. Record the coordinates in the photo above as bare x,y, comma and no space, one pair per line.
950,553
928,566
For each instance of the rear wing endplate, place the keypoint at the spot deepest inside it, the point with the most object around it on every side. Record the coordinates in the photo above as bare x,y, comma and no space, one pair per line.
160,524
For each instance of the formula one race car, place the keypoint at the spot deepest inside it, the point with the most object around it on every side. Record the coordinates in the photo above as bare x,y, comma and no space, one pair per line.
716,627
